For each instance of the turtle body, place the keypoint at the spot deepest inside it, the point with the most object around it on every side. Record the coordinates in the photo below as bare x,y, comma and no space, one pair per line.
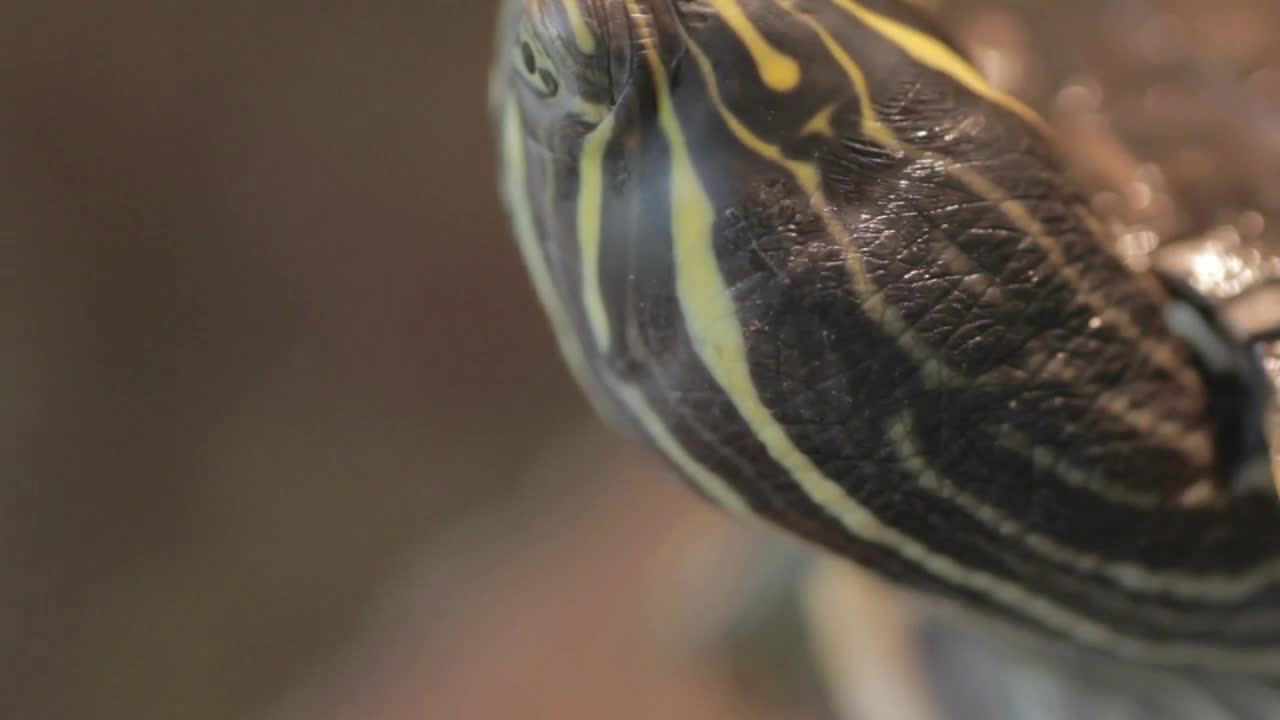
810,254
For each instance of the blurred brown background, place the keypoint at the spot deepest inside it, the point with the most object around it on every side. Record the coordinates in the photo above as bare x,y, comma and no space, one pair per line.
284,432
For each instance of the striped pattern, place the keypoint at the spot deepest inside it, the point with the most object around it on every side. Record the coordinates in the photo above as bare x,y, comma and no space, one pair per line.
840,283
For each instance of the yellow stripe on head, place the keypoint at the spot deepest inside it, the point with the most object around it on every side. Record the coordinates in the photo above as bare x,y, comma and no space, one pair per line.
934,53
778,71
581,32
807,174
871,125
590,220
516,194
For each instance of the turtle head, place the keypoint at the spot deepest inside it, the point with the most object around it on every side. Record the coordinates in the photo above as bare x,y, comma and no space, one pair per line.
563,61
842,283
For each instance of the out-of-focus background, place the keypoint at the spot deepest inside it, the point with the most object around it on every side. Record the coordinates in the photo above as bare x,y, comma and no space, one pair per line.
284,432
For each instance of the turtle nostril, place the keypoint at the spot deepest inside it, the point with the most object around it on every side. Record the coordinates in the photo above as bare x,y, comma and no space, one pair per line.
526,55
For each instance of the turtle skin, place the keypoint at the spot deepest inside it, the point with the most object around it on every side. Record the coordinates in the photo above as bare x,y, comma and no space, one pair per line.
1181,145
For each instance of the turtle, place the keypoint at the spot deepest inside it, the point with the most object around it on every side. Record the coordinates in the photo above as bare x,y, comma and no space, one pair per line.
847,285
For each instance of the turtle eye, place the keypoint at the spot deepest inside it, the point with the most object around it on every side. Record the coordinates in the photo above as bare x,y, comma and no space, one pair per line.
533,63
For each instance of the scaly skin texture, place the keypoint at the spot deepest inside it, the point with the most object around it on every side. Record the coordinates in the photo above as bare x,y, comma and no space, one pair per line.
841,283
